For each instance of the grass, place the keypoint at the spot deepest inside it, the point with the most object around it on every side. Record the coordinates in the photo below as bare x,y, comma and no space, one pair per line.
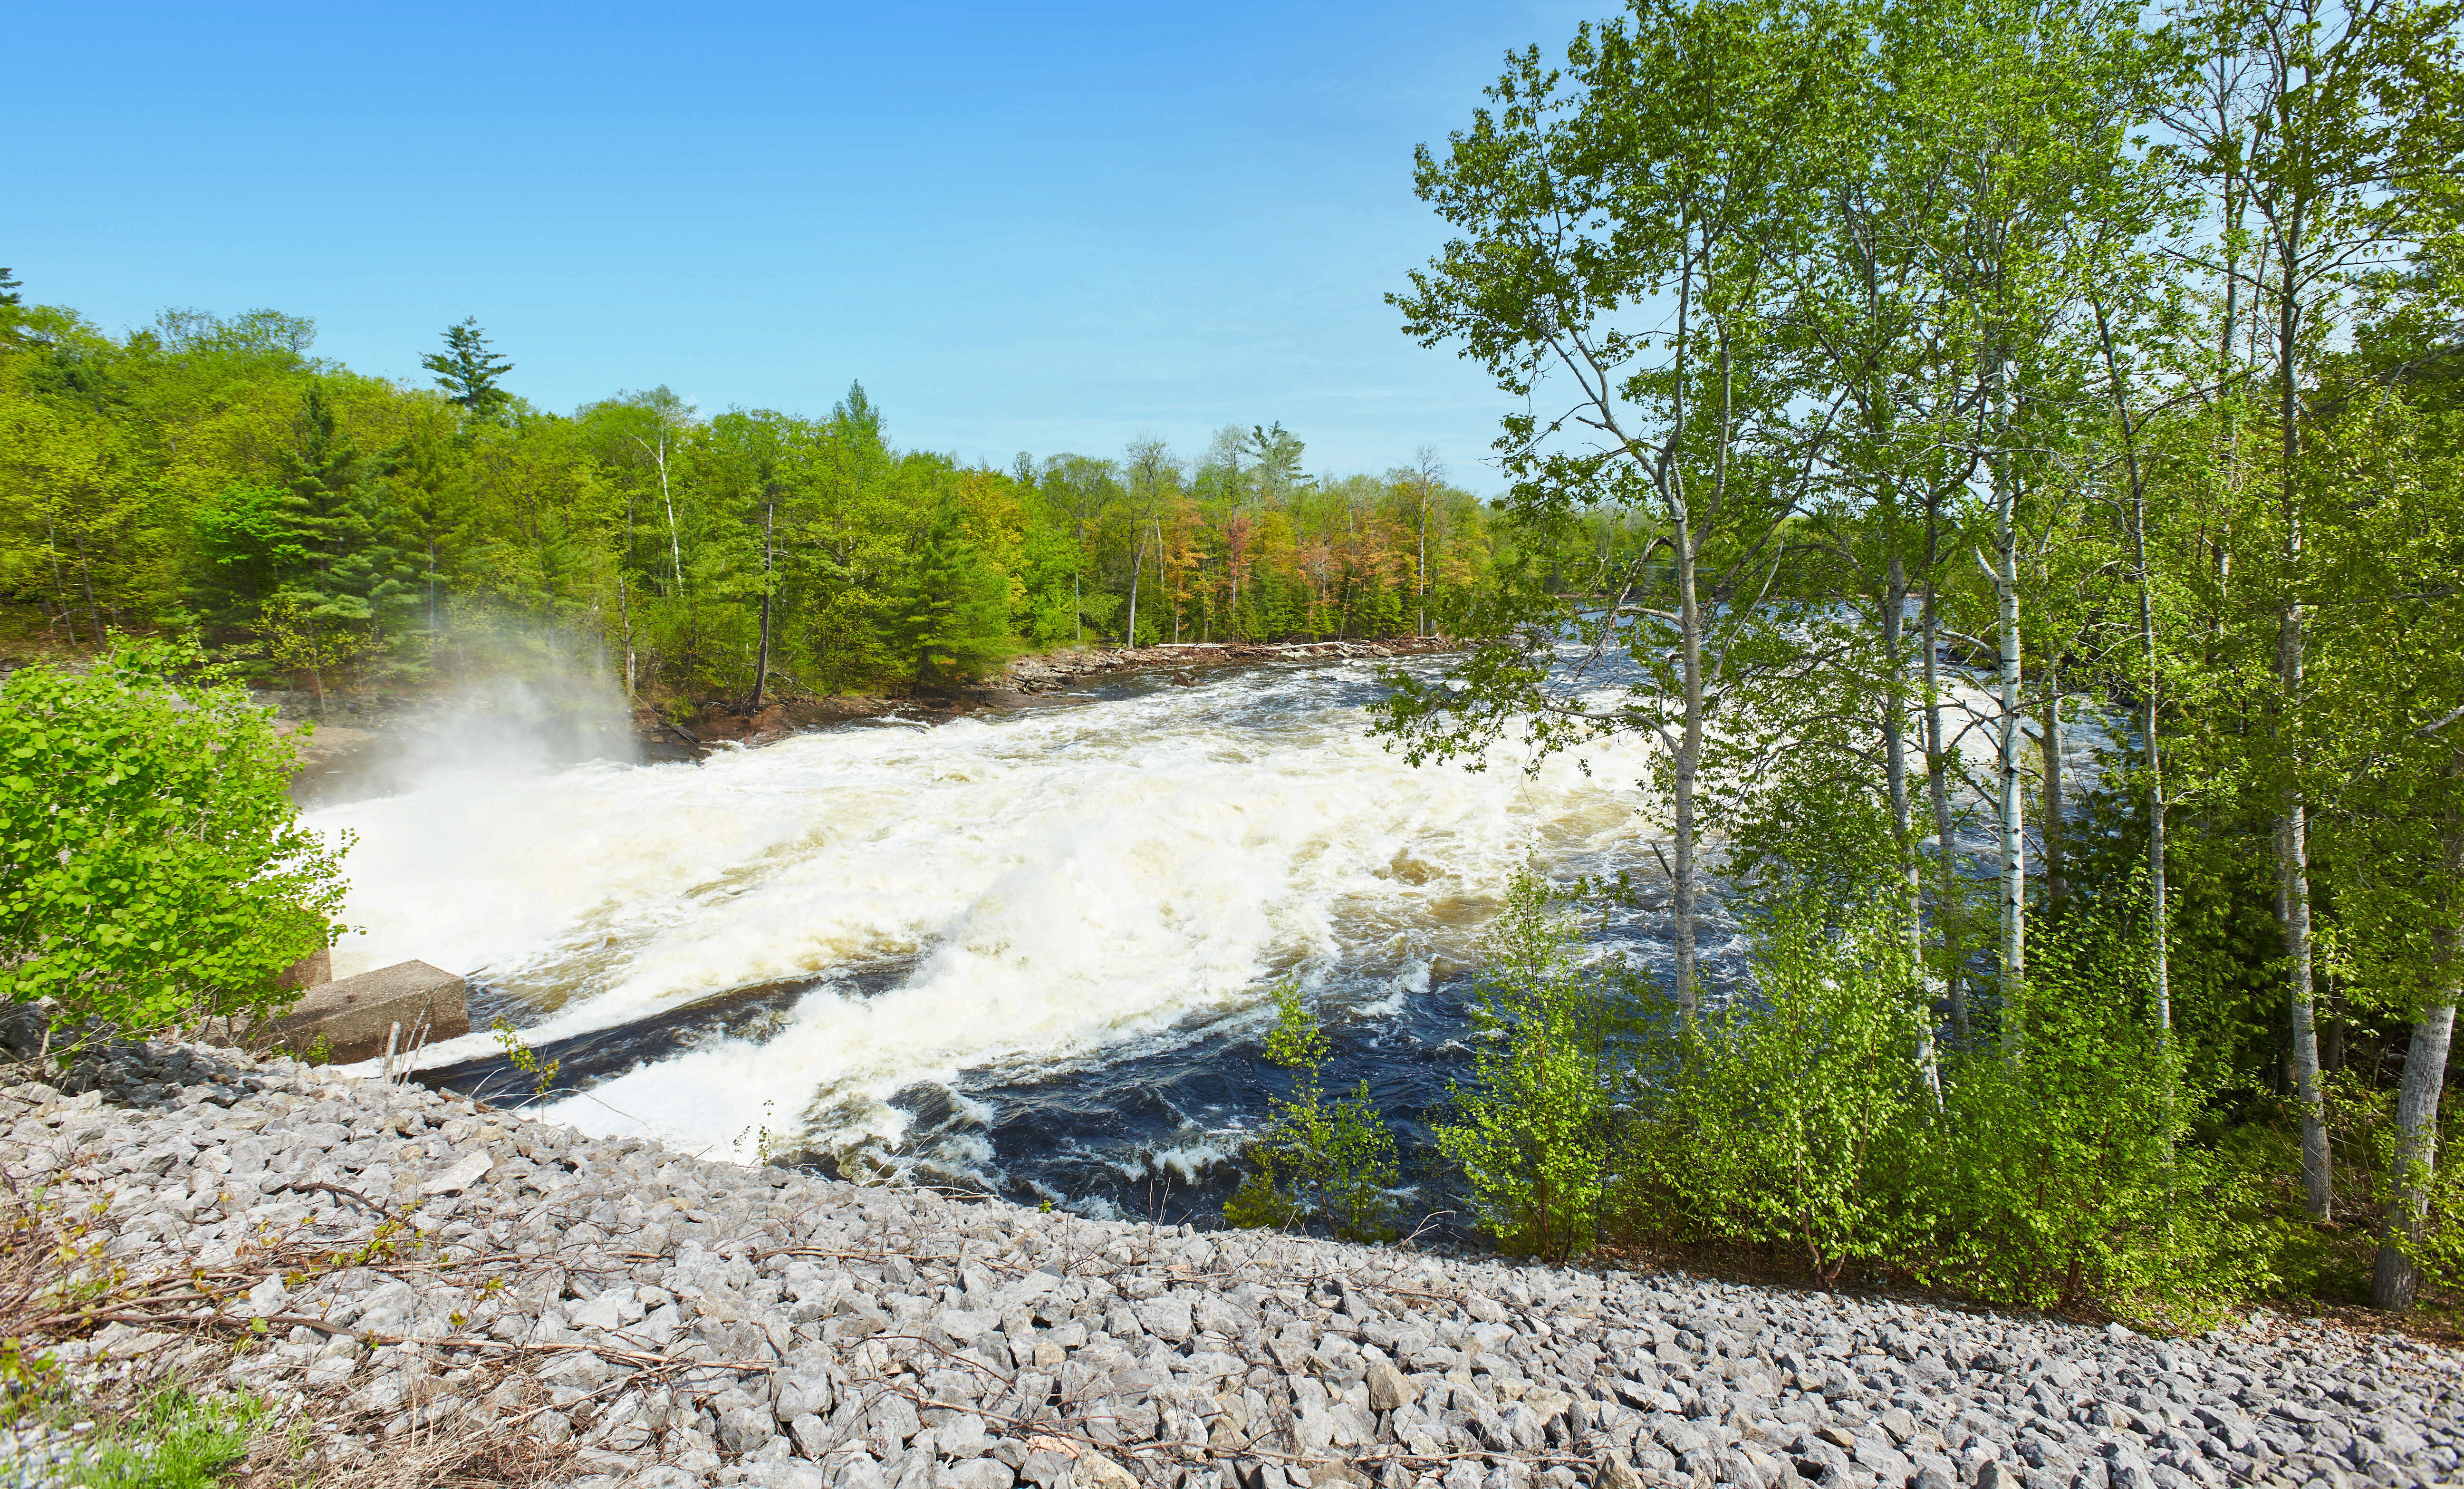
171,1440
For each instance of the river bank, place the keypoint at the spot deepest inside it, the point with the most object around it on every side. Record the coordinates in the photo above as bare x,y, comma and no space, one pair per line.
427,1287
356,730
1021,682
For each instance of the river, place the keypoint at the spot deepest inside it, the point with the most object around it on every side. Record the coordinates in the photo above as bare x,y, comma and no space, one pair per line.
1028,952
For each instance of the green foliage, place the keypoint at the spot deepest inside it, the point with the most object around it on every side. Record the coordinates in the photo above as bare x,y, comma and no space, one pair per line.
174,1440
1537,1128
1331,1161
954,625
525,1059
470,371
2063,1171
1793,1119
2055,1167
329,529
155,870
29,1378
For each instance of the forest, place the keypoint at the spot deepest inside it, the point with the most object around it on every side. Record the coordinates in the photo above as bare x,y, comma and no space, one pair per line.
2009,461
326,528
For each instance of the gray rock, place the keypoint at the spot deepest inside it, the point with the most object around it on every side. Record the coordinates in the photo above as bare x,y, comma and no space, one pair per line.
1390,1388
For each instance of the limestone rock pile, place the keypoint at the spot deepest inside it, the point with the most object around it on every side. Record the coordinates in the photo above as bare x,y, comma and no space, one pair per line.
399,1263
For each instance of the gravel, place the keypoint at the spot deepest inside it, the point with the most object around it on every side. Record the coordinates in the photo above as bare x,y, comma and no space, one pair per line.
401,1263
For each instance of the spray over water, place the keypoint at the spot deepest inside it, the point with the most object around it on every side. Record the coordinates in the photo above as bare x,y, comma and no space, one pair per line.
998,909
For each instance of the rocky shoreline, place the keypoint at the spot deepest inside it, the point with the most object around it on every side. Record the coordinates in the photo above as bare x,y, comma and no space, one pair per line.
1019,685
433,1288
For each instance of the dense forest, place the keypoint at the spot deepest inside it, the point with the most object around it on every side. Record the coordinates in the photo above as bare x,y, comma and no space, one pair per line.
331,528
2022,449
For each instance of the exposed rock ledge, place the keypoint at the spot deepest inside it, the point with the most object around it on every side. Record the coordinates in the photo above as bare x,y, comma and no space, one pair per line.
423,1265
1060,669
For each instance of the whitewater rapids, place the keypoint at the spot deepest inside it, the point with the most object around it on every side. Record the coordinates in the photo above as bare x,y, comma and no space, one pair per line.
1030,893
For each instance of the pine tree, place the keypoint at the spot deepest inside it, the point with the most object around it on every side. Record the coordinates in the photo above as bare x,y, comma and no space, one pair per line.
469,370
956,620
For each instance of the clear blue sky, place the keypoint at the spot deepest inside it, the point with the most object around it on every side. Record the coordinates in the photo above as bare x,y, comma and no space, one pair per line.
1036,227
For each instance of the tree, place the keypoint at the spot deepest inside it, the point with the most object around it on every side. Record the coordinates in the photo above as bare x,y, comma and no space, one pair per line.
155,871
13,308
1423,478
2341,140
1152,471
954,624
1317,1158
1535,1128
470,373
1623,223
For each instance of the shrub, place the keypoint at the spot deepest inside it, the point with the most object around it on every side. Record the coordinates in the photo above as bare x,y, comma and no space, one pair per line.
1792,1120
1328,1161
152,868
1536,1130
2063,1171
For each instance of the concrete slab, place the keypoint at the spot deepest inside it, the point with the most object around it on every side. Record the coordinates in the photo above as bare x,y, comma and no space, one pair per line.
353,1014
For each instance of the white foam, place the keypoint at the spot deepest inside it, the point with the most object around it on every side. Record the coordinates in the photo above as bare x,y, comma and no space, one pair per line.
1068,883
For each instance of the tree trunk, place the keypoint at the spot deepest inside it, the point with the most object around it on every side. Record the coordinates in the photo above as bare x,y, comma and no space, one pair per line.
1421,627
1895,770
625,611
2012,844
2049,740
1938,795
762,668
59,585
2293,828
2293,910
2396,1279
1689,758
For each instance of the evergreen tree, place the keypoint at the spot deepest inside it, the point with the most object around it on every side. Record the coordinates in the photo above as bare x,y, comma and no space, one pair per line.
954,624
470,371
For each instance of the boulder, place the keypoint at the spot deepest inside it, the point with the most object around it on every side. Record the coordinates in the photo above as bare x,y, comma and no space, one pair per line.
353,1015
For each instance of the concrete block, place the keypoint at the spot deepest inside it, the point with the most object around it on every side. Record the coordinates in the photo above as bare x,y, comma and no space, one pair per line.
354,1014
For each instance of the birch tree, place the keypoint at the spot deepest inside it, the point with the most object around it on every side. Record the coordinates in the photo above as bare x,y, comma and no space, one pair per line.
2340,132
1622,226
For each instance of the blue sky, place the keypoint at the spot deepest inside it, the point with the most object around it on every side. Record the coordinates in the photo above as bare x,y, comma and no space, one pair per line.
1025,228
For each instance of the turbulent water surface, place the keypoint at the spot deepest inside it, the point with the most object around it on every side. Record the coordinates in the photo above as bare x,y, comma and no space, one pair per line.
1030,951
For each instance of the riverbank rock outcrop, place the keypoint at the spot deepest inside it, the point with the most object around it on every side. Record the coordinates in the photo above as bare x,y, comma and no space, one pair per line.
402,1266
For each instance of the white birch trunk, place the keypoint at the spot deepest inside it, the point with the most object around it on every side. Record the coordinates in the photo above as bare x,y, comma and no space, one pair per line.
2012,848
1938,794
2396,1279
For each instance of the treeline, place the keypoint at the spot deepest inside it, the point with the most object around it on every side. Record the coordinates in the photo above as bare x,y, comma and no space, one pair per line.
2019,451
325,526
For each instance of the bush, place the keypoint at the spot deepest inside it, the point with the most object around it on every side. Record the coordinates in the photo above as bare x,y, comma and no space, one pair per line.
2056,1168
1332,1162
2063,1171
152,869
1792,1121
1536,1131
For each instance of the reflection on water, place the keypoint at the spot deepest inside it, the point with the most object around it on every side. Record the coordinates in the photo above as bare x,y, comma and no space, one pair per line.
1029,951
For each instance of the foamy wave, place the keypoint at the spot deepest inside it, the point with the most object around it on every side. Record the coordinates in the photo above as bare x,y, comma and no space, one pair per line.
1069,884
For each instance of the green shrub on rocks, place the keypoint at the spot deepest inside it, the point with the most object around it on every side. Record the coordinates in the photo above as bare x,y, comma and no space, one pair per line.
1331,1161
1796,1118
1815,1117
1536,1131
153,872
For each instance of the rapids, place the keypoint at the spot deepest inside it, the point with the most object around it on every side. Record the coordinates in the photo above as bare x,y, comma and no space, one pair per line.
1029,952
